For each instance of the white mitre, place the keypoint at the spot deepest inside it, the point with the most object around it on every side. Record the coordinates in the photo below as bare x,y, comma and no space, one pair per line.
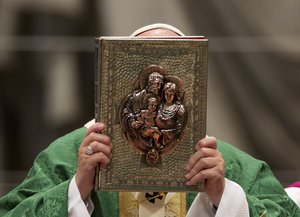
156,26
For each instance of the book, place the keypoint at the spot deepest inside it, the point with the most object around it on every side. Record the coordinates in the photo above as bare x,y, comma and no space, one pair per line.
152,95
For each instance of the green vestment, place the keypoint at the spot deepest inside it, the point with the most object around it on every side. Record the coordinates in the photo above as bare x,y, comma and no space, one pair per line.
44,192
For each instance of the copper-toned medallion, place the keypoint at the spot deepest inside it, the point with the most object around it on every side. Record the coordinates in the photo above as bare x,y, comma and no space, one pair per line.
153,115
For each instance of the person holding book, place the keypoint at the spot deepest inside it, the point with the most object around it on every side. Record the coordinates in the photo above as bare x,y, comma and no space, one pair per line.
61,181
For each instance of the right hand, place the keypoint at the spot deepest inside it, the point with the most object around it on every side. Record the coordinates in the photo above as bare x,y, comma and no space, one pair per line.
87,164
136,124
207,164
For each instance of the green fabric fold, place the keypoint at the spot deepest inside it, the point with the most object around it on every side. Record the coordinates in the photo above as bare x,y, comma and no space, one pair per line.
44,192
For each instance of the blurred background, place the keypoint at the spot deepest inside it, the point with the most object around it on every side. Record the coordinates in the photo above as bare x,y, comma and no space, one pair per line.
47,72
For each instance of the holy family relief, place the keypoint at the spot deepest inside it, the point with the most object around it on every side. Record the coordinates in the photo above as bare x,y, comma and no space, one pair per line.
151,93
153,117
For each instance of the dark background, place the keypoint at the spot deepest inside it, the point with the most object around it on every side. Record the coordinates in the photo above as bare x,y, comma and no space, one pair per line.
47,72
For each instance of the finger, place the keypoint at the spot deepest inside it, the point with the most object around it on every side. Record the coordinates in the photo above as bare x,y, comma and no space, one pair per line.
100,147
201,153
205,174
99,158
208,142
88,163
202,164
96,127
101,138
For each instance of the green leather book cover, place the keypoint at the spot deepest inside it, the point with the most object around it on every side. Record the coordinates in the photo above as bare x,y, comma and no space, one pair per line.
152,95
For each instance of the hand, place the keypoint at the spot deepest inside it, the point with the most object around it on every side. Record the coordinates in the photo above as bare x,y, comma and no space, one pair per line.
136,124
86,168
207,164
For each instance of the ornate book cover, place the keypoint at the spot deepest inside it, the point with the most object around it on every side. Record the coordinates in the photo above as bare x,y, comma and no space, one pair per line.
152,95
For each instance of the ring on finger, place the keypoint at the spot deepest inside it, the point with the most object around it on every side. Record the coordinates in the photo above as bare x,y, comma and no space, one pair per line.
89,150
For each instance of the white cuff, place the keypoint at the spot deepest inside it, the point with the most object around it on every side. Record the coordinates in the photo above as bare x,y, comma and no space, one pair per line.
90,123
294,194
201,207
76,206
233,203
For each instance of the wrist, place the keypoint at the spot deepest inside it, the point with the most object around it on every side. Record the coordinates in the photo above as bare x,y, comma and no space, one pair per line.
83,187
216,196
215,200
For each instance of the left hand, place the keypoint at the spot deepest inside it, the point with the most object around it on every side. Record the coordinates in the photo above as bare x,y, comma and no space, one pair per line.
207,164
87,163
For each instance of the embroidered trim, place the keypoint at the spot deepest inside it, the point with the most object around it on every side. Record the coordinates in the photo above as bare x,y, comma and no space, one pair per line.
129,205
264,214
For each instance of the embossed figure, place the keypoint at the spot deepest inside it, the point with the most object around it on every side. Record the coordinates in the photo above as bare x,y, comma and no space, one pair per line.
150,84
149,130
171,114
135,103
153,117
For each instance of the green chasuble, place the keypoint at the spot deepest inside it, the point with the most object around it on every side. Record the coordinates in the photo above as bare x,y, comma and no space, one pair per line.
44,192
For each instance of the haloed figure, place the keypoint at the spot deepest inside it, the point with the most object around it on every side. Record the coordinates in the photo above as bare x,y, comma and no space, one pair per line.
170,116
155,83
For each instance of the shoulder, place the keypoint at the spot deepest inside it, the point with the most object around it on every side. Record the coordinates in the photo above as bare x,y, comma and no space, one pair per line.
181,109
138,94
64,148
231,152
237,162
58,160
73,138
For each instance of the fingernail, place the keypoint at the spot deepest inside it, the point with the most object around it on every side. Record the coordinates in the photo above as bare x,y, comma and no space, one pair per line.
188,176
187,169
188,183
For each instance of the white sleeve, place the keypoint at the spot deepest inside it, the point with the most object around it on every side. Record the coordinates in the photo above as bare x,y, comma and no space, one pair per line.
233,203
76,206
294,194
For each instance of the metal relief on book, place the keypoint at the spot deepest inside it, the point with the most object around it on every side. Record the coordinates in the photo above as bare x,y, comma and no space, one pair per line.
153,117
151,94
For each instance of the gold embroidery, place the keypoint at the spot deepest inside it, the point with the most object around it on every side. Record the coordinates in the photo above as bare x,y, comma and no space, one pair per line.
176,206
129,205
264,214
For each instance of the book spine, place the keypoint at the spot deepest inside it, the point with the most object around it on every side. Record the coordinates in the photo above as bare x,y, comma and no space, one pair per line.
97,96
